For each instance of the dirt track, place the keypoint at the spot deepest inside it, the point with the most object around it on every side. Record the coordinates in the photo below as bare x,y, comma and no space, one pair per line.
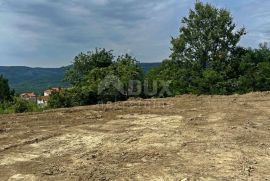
184,138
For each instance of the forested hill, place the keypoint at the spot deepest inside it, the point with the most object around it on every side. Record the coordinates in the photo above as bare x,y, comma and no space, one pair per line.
24,79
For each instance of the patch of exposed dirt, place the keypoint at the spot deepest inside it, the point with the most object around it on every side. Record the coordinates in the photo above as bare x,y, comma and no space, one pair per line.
183,138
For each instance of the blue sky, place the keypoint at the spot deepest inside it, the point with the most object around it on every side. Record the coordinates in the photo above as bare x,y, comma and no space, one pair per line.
49,33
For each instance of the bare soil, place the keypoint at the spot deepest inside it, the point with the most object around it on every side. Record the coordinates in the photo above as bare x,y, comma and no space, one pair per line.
183,138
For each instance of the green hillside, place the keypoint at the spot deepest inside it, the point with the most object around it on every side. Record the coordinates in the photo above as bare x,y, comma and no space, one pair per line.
24,79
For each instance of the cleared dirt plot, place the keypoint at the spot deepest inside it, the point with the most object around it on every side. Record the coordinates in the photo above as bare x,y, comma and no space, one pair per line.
182,138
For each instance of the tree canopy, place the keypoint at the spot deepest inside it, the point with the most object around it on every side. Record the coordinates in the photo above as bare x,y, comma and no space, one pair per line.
205,57
96,76
208,38
86,64
6,93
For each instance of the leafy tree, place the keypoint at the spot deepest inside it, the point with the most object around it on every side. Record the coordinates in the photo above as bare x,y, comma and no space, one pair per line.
60,100
86,72
94,77
262,76
254,70
84,63
6,93
130,74
167,71
207,39
205,57
110,89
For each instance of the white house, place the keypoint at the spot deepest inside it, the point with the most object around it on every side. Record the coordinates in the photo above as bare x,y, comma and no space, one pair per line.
43,101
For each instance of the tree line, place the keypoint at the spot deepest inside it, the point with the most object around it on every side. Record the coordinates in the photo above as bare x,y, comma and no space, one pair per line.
205,59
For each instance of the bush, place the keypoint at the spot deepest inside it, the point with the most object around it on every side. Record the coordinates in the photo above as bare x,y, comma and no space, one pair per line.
21,106
59,100
6,108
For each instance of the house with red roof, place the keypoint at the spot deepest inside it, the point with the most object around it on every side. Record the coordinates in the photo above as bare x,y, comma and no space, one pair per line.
29,96
49,92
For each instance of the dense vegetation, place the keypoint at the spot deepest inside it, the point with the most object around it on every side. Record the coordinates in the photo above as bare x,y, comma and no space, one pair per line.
5,93
206,58
98,77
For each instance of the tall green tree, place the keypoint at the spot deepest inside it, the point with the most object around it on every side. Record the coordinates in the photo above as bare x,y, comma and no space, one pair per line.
207,38
205,50
85,74
86,63
127,69
6,93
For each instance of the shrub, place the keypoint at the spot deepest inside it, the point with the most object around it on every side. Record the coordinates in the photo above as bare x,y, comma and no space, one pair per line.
21,106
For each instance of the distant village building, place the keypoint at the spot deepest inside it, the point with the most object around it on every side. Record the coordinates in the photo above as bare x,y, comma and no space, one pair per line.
49,92
43,101
29,96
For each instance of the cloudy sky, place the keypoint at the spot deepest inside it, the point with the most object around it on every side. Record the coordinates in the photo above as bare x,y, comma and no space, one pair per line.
49,33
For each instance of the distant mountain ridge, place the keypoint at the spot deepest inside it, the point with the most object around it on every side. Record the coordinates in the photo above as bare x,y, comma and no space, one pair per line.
27,79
